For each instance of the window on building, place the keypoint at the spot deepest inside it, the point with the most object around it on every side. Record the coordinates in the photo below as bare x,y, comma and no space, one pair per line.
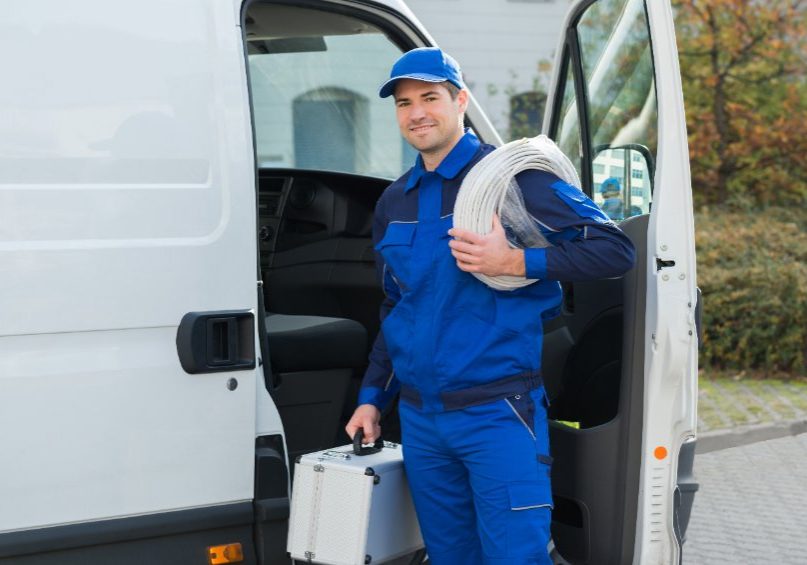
637,173
526,114
598,168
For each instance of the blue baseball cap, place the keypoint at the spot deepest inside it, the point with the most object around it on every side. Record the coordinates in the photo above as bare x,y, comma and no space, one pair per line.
611,184
428,64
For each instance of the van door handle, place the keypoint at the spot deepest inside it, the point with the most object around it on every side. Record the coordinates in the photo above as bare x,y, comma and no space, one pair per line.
212,342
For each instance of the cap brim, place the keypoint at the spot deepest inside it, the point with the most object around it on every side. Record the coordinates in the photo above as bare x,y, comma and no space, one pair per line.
388,87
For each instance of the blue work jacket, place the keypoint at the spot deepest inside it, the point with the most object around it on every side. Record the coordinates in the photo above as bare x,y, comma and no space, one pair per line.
442,330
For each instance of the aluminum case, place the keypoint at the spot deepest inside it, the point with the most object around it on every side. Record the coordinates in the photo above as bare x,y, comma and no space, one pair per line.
348,509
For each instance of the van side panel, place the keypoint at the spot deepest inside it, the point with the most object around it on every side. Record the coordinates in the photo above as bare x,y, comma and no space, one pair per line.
126,201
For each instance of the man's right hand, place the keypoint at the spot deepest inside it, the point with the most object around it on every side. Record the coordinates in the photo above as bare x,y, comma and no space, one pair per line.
367,417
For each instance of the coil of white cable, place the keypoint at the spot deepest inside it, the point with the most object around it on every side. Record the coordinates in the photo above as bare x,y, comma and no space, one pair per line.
490,188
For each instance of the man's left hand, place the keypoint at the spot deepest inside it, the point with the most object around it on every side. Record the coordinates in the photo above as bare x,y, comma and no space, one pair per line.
488,254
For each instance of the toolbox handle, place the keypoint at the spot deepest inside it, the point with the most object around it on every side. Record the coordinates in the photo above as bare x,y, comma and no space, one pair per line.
359,450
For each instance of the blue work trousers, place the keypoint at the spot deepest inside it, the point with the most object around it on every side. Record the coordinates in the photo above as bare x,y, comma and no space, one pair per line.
480,480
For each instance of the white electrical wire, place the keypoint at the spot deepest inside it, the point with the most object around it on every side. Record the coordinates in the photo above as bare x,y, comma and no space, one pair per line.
490,188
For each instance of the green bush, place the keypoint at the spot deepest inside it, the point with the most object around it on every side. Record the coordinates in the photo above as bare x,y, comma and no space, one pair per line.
752,270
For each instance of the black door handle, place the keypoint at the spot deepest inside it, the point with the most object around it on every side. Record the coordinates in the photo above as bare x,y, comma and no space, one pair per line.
211,342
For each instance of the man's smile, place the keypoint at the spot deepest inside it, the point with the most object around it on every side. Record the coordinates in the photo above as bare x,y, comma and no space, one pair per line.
421,128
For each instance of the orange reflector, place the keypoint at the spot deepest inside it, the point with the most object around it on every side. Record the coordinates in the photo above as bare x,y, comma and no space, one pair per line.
660,452
230,553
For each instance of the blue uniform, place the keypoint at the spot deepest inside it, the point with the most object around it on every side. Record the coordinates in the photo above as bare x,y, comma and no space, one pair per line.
466,358
614,208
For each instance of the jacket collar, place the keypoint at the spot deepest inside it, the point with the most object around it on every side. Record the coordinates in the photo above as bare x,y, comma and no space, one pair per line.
459,156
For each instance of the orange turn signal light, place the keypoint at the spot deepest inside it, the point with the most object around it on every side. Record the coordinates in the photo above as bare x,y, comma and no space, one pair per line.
229,553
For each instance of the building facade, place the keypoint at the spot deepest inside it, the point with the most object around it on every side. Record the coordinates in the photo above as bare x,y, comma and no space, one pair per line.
506,49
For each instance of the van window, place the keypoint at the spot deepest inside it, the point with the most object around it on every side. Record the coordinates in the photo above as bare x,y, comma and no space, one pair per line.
620,108
314,78
615,52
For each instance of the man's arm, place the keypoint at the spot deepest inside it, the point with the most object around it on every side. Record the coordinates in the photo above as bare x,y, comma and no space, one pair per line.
586,244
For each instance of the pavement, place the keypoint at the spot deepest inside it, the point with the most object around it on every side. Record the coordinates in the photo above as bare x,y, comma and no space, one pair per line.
751,464
752,505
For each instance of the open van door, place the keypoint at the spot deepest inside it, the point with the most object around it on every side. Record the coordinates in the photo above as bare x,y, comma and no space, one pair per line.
621,361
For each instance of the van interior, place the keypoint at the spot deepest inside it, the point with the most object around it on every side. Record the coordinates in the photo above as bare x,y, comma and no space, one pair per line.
321,168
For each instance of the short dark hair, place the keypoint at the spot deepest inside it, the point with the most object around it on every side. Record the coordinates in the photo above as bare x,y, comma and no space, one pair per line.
452,89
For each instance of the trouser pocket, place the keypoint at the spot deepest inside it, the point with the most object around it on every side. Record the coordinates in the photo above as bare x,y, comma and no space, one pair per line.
523,408
528,522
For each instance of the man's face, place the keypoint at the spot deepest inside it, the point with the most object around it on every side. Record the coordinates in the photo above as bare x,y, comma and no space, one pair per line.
428,117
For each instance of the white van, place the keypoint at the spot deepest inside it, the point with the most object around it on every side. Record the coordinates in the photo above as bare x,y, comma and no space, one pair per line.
187,290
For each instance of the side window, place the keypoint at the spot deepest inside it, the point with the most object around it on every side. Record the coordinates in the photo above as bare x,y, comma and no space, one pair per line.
616,150
314,79
617,65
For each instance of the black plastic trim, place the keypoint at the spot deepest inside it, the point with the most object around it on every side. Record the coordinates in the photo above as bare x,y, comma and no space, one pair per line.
197,341
55,538
560,89
685,491
581,98
272,503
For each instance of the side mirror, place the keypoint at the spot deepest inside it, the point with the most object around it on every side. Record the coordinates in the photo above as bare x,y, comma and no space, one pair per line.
623,180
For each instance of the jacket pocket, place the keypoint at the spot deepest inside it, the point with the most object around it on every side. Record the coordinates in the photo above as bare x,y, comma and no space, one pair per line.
396,249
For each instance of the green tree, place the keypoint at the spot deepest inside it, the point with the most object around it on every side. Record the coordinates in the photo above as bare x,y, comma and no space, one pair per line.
743,66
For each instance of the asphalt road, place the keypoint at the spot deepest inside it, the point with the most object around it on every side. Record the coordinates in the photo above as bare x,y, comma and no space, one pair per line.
752,505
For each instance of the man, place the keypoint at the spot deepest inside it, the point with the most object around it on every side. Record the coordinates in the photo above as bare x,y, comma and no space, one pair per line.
612,205
466,358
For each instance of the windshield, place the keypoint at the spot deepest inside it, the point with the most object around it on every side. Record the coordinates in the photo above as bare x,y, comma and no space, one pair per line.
314,81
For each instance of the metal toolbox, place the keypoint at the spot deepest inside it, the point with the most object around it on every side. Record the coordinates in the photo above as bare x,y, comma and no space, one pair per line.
350,509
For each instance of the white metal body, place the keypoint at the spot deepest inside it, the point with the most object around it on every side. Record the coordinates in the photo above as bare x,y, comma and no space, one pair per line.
346,507
671,351
127,199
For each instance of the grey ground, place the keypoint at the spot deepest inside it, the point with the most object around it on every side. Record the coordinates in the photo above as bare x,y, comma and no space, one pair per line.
752,505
